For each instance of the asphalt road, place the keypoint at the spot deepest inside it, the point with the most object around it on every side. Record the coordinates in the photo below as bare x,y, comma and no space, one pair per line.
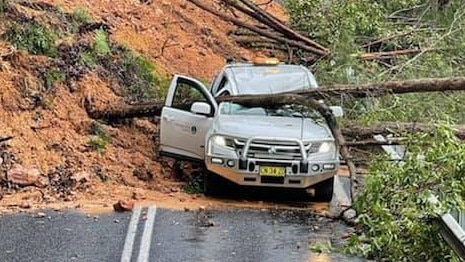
155,234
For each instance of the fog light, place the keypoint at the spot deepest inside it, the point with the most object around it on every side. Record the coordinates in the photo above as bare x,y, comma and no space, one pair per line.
329,166
218,161
231,163
295,169
315,168
251,167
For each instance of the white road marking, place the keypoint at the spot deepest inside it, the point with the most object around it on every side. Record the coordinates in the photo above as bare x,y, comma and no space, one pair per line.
131,235
144,251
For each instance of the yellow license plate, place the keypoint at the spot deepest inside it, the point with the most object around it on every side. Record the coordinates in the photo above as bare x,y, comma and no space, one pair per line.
272,171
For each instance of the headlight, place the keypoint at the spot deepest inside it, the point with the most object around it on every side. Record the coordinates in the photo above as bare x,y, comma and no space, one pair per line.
223,141
219,141
326,147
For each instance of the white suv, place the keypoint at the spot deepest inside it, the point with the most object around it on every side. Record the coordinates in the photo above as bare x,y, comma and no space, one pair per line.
282,146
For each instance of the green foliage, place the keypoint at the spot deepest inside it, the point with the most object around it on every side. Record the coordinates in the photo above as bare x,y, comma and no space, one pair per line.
52,77
33,37
145,79
321,247
81,16
194,185
99,138
101,45
329,21
344,26
394,207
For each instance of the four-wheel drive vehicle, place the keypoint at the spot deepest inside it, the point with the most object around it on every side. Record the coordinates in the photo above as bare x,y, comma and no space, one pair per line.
279,146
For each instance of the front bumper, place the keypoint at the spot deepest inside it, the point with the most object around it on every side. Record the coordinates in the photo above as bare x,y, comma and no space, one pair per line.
297,174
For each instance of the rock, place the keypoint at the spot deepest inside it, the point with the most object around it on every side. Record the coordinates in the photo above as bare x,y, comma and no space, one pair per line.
26,176
202,208
40,215
26,204
186,209
82,177
123,206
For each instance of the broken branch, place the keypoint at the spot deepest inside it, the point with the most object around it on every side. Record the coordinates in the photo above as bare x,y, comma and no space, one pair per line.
4,139
259,31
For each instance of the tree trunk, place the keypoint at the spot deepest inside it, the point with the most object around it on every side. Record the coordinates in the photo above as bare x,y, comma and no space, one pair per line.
386,128
126,111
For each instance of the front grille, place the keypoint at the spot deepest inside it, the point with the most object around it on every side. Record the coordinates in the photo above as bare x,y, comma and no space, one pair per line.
282,150
272,180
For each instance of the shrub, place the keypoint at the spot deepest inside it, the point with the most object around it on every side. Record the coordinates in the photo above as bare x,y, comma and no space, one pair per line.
33,37
101,45
81,16
394,208
99,138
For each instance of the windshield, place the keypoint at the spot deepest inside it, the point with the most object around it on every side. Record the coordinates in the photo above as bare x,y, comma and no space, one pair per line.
228,108
272,79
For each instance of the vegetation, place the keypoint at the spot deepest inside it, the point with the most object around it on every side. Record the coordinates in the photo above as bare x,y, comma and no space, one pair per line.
388,26
136,77
394,208
99,138
81,16
33,37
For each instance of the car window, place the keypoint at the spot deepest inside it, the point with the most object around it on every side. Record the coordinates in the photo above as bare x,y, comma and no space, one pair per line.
185,95
272,79
228,108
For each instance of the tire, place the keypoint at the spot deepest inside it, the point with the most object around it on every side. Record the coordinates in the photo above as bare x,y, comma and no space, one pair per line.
215,185
324,190
211,183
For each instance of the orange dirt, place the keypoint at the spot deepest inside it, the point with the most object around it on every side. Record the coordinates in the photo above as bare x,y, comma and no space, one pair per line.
179,38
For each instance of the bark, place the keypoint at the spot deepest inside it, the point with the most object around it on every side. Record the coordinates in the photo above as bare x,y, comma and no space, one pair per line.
371,142
126,111
390,54
390,87
259,31
386,128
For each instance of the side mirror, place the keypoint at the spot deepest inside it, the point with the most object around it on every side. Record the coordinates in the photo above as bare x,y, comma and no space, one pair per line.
201,108
337,111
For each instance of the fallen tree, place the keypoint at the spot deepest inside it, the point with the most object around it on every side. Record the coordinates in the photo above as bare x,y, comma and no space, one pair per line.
386,128
336,90
122,111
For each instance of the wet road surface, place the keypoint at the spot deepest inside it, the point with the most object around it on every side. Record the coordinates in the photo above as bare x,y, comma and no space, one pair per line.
156,234
234,235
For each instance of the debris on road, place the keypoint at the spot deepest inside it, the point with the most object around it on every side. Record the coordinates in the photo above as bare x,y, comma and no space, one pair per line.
123,206
40,215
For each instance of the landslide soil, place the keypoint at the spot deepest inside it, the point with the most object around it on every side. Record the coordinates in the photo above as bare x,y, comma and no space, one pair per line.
49,123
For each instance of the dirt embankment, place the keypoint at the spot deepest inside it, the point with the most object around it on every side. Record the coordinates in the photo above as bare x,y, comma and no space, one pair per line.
56,56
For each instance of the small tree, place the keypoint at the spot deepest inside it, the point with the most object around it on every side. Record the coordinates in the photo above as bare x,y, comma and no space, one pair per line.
394,208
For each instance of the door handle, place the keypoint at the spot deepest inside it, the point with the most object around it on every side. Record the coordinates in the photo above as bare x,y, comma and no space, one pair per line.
168,118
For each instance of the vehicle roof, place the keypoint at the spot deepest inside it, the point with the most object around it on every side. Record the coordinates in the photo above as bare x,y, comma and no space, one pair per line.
253,79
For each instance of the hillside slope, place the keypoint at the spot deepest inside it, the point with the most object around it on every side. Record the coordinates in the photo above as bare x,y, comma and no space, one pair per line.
56,56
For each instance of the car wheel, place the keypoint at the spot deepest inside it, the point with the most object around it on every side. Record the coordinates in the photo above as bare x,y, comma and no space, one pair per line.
210,183
215,185
324,190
